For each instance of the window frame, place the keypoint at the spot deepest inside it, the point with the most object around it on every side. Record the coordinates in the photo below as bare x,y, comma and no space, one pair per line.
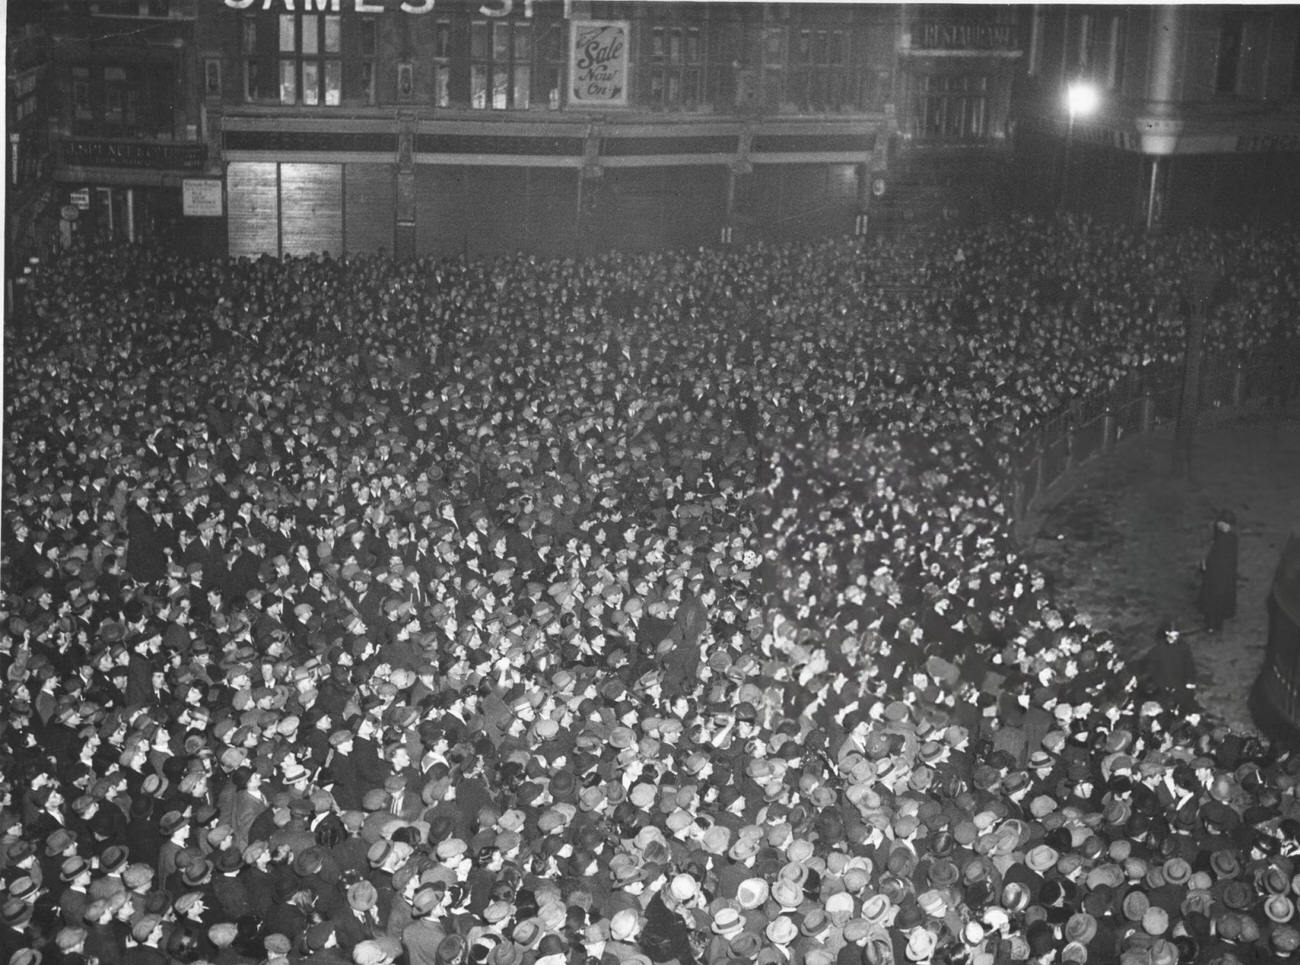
958,104
676,79
212,86
309,67
248,51
491,59
818,83
775,65
442,56
83,108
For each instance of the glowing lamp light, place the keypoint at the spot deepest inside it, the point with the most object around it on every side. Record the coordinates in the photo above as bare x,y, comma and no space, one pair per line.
1081,99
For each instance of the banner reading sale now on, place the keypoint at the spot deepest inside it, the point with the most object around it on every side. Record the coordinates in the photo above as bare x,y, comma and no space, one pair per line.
598,63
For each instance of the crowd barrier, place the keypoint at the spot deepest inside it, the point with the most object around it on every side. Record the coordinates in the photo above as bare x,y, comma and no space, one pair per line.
1146,401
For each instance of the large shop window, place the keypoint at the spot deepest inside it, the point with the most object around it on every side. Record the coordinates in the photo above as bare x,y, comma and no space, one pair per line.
676,55
501,54
952,107
311,66
819,70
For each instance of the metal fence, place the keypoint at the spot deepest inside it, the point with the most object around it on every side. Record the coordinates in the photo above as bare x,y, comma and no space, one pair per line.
1146,401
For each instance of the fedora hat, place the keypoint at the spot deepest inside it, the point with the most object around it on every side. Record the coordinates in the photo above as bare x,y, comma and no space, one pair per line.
1042,858
752,893
1279,909
781,930
1135,905
1081,927
624,926
726,921
787,894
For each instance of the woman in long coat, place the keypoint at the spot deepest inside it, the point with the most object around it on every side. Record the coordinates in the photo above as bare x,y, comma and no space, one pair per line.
1218,597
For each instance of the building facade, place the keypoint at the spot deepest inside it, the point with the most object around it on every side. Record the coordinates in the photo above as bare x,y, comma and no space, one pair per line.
1196,116
31,203
125,117
559,127
451,127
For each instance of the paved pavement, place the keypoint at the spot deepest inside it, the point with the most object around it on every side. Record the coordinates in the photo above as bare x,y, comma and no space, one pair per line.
1122,536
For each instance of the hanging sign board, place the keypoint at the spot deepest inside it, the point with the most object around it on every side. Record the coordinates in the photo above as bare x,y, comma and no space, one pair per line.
201,198
598,63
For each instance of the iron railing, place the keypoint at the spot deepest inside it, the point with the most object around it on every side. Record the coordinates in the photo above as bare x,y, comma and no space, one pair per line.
1145,401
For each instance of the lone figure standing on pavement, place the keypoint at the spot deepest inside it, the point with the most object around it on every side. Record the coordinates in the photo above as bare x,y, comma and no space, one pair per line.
1218,597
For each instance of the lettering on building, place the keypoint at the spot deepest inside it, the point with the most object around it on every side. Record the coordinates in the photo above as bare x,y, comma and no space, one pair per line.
939,35
489,8
1253,143
89,152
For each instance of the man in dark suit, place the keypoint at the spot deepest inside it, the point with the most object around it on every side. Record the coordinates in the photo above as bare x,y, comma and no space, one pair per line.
207,551
1171,669
145,560
356,766
1217,600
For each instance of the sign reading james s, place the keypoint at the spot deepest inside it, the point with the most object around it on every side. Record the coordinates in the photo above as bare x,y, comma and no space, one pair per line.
491,8
598,63
336,6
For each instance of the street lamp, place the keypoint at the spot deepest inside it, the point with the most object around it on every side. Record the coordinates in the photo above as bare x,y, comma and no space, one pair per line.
1081,100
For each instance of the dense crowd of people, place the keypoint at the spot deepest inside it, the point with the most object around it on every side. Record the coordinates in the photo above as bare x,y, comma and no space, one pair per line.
654,608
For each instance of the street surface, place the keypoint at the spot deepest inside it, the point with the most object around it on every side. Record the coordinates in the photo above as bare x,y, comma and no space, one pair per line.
1122,537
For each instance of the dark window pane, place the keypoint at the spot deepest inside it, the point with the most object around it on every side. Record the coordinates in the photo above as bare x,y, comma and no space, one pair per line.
480,41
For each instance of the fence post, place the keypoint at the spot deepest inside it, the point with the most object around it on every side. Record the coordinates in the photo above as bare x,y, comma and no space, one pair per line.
1238,385
1148,412
1108,436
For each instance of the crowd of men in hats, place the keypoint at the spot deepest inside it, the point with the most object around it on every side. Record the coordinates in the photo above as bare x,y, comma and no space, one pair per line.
656,608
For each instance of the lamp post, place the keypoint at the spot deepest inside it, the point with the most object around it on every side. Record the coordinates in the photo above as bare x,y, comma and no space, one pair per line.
1081,100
